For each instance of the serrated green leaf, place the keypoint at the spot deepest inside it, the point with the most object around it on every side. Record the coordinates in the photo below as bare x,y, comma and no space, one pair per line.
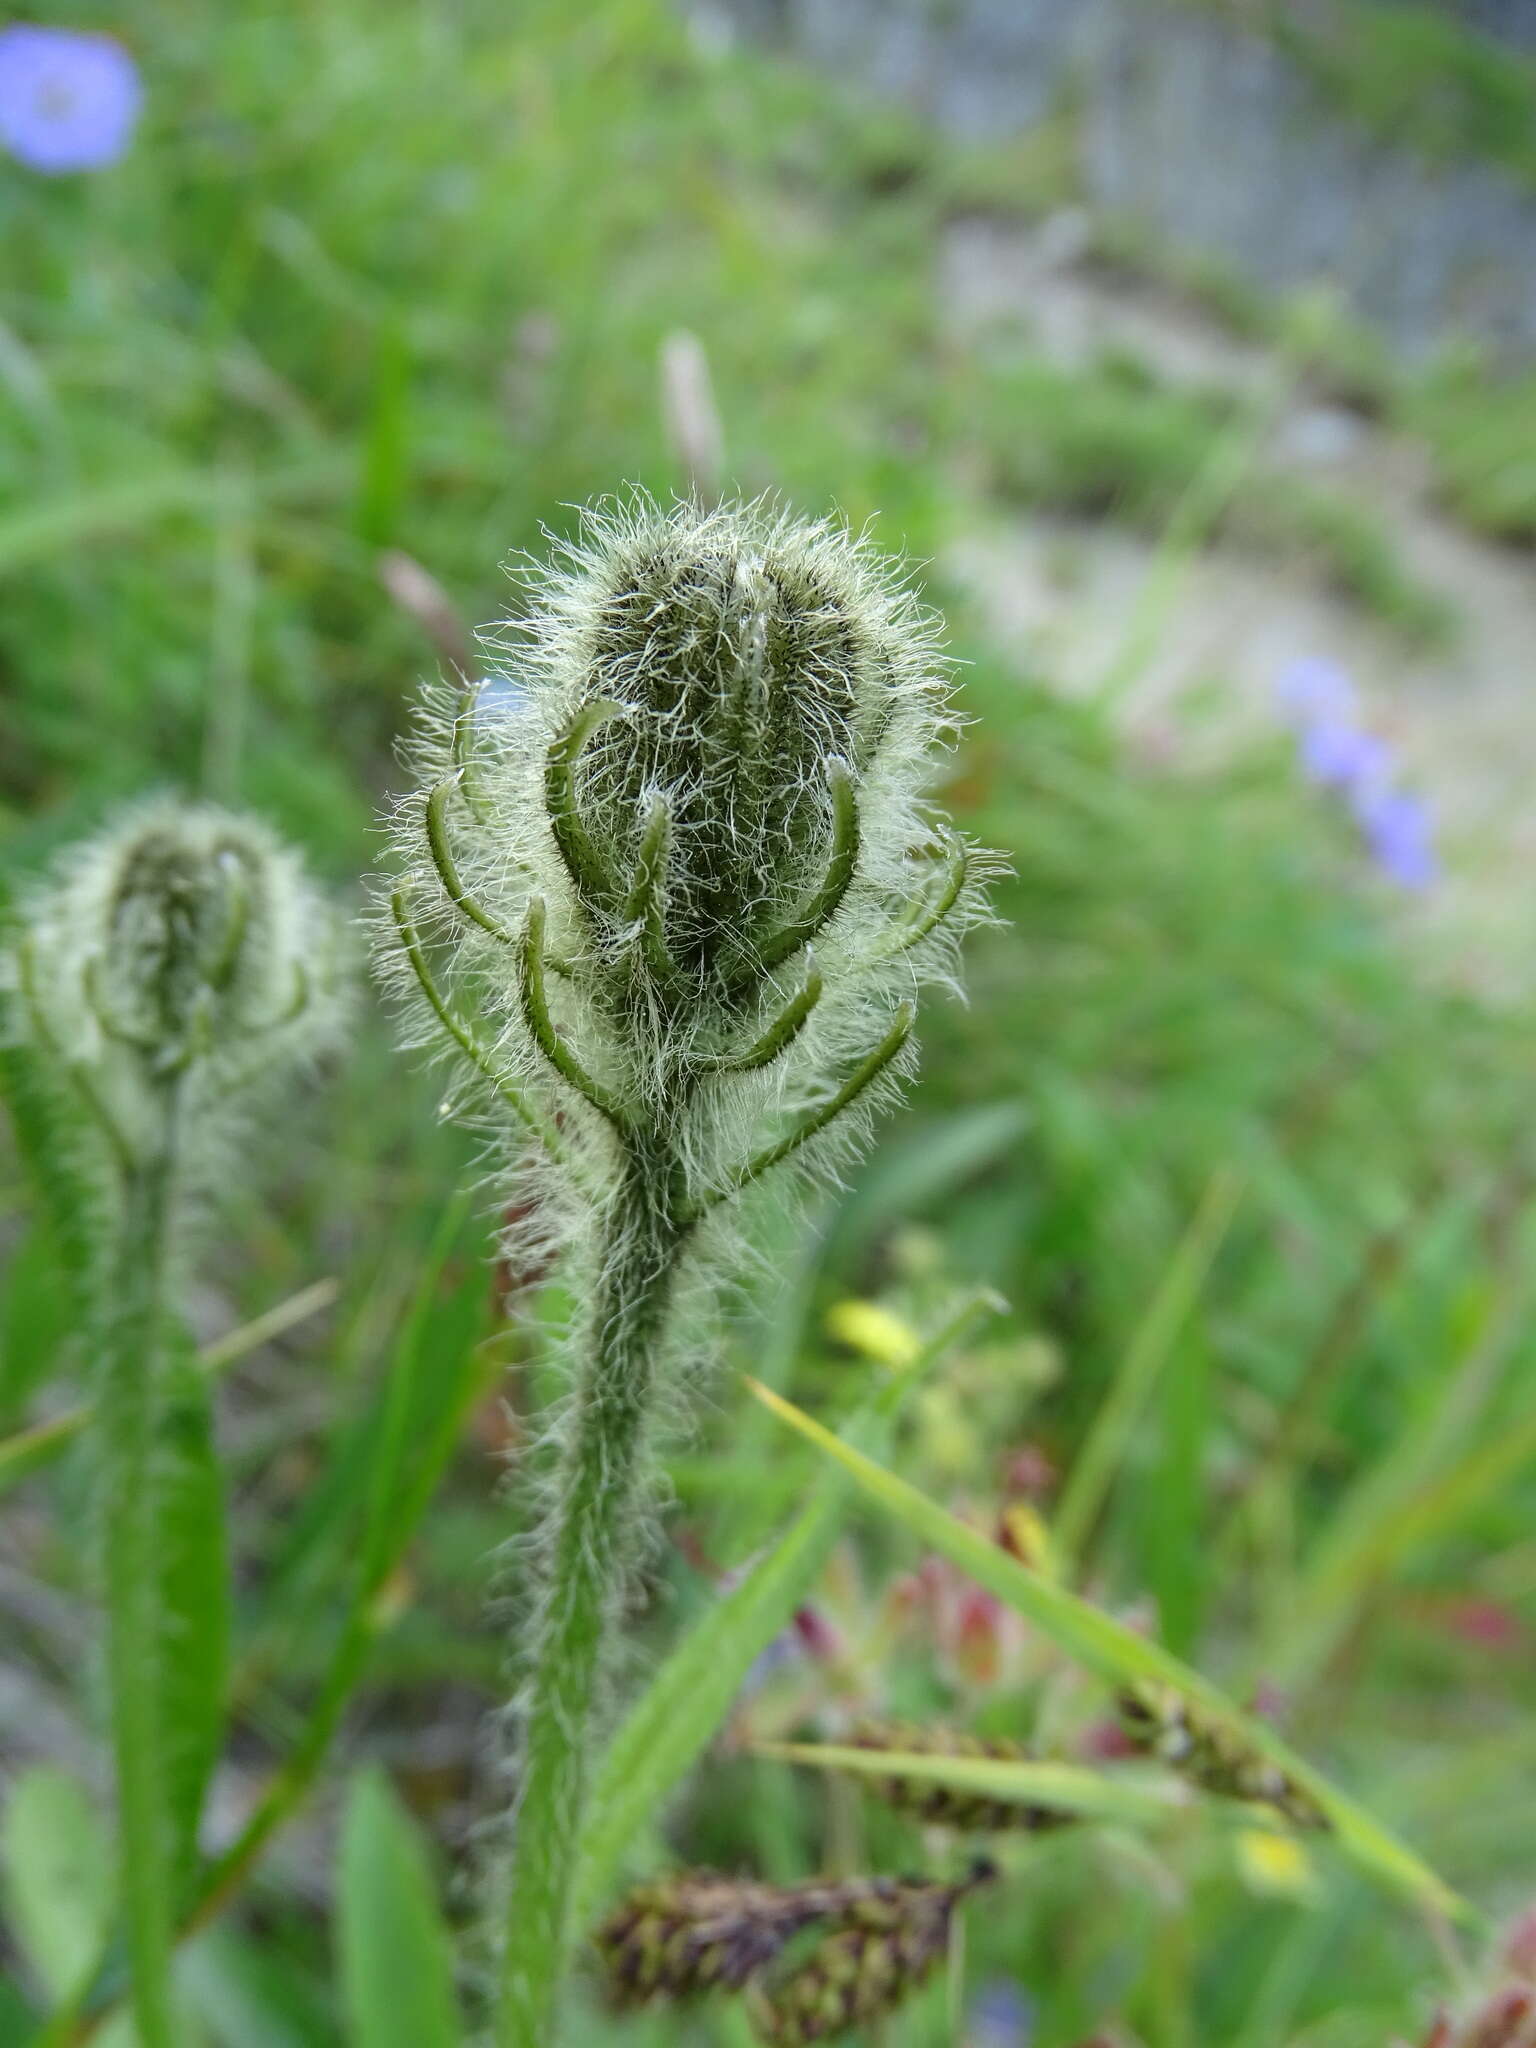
59,1881
1119,1655
396,1963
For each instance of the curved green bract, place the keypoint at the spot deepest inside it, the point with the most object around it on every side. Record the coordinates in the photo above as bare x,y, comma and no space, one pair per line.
587,869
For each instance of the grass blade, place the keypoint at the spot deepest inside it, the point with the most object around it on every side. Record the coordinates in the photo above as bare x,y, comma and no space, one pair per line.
1118,1655
1094,1467
31,1448
1067,1788
396,1963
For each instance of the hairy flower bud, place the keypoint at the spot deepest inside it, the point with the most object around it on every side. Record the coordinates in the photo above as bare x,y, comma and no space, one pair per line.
690,874
181,946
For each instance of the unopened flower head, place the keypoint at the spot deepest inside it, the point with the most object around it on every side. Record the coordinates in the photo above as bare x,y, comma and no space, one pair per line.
738,672
181,941
703,821
68,100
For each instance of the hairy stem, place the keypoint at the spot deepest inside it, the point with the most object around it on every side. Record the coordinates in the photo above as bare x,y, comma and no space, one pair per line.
132,1340
642,1242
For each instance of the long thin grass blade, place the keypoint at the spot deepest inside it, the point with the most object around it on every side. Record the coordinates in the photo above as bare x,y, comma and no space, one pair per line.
1067,1788
1095,1465
1118,1655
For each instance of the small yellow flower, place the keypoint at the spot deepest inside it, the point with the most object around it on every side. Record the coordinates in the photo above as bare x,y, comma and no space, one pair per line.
1026,1533
874,1332
1276,1866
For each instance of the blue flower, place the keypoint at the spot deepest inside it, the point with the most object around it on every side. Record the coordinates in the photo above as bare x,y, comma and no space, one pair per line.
1001,2016
1312,688
1338,754
1400,834
68,101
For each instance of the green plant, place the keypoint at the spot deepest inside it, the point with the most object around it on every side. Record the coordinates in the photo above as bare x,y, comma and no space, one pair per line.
177,965
687,878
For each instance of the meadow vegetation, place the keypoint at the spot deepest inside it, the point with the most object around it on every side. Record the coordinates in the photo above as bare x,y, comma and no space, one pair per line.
383,289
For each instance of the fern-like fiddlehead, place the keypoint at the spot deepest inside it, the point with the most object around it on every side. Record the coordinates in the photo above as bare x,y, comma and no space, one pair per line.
679,901
173,970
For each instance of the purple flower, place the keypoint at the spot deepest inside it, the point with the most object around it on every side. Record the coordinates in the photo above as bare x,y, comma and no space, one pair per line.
1338,754
68,101
1000,2016
1312,688
1400,834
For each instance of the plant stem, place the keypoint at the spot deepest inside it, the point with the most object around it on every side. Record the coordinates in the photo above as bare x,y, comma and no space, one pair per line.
132,1339
643,1237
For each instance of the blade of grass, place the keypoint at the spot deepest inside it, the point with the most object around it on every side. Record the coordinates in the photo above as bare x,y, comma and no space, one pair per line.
1066,1788
1094,1467
29,1448
1366,1534
675,1718
107,510
1117,1654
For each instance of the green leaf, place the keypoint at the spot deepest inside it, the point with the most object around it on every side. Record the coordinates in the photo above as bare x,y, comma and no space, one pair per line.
52,1138
195,1601
18,2022
30,1449
396,1962
1117,1654
1066,1788
39,1314
251,1992
1399,1499
1095,1464
673,1721
59,1881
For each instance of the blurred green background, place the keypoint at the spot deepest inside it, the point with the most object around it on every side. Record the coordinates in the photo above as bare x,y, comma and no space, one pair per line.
378,293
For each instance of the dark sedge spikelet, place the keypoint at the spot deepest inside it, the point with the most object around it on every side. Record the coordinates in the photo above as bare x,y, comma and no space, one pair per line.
886,1945
681,1936
946,1805
1163,1723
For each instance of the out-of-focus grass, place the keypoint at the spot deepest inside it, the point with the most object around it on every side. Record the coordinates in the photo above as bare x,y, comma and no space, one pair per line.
1112,442
398,276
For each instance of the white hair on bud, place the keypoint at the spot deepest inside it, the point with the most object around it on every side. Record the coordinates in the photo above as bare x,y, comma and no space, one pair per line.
181,940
